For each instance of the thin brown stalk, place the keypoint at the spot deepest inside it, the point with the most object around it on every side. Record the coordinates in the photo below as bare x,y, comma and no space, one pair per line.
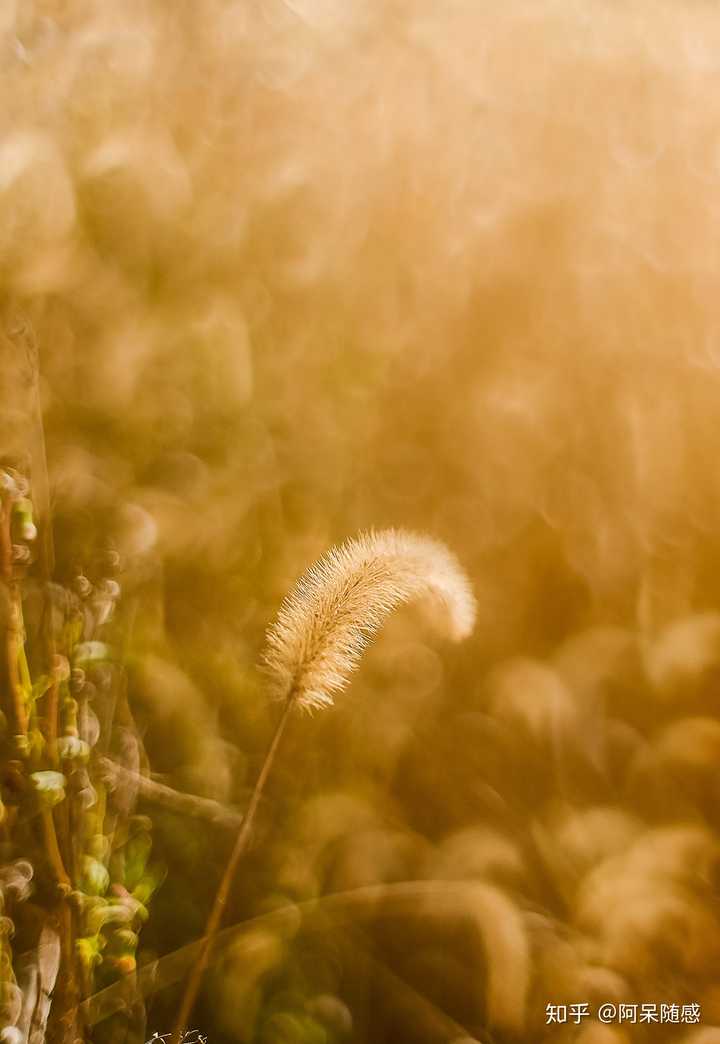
221,897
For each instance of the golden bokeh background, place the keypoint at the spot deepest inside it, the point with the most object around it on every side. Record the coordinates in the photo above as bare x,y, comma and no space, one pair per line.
297,269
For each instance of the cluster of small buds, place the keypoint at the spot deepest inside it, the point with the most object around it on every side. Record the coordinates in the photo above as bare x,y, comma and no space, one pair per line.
15,881
100,598
112,911
23,531
110,914
109,879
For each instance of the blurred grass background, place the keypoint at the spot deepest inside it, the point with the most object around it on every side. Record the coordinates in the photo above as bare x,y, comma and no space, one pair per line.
297,269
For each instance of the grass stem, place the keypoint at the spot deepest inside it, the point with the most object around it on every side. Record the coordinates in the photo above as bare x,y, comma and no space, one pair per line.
223,892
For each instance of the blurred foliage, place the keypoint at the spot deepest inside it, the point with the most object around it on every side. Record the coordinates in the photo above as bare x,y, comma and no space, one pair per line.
297,269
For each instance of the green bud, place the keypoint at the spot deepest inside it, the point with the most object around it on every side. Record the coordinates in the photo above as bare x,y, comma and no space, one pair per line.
95,878
49,786
89,950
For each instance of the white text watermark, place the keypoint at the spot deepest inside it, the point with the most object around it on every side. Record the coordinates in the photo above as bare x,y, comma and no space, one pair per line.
628,1013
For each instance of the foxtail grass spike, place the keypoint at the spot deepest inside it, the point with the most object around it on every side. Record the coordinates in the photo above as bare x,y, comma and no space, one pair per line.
337,607
326,622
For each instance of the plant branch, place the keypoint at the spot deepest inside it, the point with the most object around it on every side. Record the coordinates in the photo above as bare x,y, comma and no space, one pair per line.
159,794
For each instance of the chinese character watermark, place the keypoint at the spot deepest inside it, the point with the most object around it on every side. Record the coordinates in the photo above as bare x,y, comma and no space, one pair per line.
623,1013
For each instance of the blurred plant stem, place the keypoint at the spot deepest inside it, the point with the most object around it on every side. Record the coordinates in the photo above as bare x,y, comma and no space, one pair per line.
13,625
174,800
218,908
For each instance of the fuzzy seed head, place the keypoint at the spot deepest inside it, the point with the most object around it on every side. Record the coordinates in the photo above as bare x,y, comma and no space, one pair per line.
337,607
